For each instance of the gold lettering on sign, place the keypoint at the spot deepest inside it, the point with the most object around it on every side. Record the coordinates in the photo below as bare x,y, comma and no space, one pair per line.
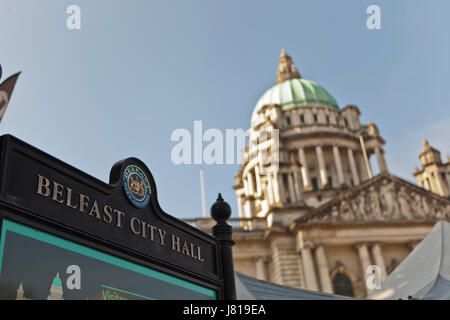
199,255
175,243
119,216
132,225
107,210
152,232
57,192
193,252
69,199
43,183
162,234
144,230
185,249
188,248
83,202
94,210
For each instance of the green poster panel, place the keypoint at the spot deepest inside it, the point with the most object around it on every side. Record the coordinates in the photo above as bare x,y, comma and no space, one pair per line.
37,265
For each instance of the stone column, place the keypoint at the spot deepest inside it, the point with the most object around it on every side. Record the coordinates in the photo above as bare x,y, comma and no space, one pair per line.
258,181
250,186
240,207
270,189
286,262
249,207
381,161
364,260
379,261
324,273
275,187
245,186
298,186
291,188
261,269
308,269
351,159
322,169
338,163
281,188
304,169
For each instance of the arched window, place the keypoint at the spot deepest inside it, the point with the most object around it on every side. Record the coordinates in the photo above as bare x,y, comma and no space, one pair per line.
342,285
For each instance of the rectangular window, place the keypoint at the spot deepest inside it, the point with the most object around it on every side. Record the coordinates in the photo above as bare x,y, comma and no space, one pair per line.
314,183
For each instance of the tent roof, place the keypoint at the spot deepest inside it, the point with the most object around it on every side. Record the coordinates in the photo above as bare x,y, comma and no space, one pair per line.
248,288
425,273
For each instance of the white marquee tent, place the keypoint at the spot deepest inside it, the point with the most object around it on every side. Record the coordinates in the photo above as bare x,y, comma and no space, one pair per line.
425,273
248,288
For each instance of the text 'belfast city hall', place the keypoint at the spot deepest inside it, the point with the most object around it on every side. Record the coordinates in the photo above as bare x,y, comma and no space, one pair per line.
322,216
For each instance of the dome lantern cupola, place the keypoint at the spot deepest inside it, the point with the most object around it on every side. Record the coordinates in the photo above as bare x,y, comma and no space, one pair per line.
286,68
293,91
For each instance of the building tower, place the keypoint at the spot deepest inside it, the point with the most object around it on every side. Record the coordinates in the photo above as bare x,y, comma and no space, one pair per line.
312,212
303,149
434,174
20,293
56,292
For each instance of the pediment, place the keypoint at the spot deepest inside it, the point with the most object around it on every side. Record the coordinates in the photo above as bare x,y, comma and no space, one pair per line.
384,198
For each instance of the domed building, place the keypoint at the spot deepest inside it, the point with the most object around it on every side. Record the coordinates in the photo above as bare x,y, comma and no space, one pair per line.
318,142
56,289
313,213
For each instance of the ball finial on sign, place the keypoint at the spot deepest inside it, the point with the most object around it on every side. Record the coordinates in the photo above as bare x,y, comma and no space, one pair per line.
220,210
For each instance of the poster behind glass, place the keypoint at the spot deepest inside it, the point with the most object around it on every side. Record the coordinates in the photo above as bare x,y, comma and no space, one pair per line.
39,266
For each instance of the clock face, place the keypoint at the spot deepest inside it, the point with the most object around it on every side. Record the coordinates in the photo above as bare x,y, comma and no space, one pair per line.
3,102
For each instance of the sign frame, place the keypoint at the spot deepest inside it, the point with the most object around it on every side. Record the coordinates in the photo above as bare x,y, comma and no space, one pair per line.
23,167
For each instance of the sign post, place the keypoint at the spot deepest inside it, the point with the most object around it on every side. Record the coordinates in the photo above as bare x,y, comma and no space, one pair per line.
221,212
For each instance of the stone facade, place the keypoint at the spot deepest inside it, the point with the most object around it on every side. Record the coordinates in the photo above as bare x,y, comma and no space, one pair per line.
312,212
434,174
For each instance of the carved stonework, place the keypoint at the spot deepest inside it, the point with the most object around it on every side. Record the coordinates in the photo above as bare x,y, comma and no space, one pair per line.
383,198
374,203
388,199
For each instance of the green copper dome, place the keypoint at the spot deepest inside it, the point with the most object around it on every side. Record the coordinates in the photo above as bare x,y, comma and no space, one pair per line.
292,91
57,281
296,93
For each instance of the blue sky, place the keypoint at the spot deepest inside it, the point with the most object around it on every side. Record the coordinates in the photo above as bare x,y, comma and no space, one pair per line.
138,70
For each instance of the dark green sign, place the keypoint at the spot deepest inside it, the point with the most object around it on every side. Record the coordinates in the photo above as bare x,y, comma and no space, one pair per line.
66,234
37,265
